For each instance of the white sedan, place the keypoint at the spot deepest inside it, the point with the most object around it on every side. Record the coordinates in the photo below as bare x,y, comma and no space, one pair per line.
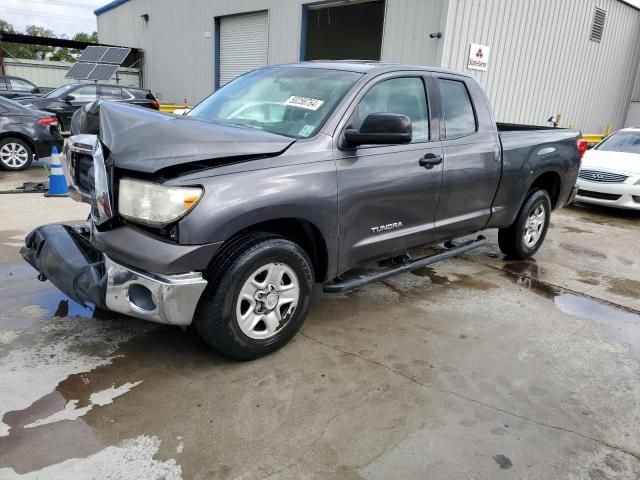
610,172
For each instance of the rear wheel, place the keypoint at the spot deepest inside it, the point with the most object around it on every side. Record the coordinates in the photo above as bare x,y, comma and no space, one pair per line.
525,236
15,154
258,296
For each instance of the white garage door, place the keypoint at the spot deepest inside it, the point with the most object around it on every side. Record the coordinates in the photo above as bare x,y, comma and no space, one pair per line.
243,44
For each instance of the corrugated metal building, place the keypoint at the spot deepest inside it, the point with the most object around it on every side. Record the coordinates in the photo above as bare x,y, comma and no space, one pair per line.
576,58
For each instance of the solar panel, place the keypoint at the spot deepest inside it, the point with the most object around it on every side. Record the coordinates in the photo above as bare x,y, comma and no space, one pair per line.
115,55
80,71
93,54
102,72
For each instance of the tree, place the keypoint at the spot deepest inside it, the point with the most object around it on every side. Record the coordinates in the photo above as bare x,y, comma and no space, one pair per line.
34,52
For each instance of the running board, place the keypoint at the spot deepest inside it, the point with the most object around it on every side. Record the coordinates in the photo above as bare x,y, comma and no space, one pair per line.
338,286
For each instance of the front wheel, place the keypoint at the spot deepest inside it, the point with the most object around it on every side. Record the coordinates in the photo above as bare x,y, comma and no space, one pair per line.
257,298
525,235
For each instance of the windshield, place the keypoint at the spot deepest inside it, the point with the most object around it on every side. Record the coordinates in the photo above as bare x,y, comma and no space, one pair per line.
626,142
59,91
293,102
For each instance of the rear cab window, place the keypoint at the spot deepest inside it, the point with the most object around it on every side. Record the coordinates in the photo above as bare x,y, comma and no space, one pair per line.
458,112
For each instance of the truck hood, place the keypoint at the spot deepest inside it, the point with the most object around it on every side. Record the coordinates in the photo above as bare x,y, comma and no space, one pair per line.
148,141
611,161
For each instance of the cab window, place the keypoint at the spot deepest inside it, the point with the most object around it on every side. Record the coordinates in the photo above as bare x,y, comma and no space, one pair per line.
405,96
459,118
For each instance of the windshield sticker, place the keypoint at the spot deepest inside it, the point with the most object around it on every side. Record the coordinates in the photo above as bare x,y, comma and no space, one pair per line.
306,130
304,102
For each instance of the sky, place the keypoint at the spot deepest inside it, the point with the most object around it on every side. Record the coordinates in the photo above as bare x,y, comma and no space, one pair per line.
67,16
61,16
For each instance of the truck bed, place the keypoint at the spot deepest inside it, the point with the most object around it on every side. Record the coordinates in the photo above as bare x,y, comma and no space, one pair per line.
529,150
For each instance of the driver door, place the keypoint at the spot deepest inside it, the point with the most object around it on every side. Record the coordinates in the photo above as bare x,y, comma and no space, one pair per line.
387,199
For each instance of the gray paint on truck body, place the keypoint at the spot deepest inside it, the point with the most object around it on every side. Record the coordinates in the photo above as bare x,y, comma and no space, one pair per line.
343,192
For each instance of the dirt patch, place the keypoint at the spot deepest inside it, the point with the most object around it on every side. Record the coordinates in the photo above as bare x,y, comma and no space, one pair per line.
623,286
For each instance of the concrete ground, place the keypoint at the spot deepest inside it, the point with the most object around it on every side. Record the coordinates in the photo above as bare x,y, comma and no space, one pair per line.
476,368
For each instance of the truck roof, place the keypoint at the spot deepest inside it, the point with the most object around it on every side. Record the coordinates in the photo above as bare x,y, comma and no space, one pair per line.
367,66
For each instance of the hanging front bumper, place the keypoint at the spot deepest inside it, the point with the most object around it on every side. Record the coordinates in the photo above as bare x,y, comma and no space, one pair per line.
66,257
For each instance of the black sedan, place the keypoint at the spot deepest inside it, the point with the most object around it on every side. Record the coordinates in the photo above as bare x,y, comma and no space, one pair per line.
65,100
25,134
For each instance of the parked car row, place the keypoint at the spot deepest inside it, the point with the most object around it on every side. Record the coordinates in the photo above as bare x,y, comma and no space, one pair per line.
31,123
67,99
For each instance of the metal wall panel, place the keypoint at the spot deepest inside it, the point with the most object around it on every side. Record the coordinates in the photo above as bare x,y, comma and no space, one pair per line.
542,61
179,38
244,41
407,26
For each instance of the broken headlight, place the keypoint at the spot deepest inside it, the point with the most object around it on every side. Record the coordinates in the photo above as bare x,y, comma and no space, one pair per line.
155,204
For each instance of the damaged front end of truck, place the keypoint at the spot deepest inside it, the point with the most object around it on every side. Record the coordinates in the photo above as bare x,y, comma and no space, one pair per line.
149,278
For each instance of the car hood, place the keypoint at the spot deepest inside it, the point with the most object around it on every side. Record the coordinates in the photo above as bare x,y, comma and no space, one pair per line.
148,141
611,161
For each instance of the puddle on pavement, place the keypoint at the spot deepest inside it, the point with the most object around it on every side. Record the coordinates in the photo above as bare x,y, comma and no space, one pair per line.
617,323
460,280
75,420
527,268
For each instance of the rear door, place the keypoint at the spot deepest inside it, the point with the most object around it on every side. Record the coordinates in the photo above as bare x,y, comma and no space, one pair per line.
387,200
472,163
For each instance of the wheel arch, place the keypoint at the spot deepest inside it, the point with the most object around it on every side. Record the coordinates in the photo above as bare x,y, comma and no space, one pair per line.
551,182
300,231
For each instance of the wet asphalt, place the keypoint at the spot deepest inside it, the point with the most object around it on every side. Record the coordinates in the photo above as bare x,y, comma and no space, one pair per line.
477,367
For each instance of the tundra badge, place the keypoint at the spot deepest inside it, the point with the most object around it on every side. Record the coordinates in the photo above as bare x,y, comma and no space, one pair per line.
388,226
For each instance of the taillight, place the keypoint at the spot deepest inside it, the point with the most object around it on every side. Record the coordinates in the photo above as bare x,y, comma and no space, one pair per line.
47,121
582,146
155,105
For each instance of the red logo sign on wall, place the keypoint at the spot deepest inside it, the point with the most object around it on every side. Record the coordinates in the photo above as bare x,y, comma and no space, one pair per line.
478,57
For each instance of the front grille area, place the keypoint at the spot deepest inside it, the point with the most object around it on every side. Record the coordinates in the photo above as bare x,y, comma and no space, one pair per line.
598,195
602,177
84,172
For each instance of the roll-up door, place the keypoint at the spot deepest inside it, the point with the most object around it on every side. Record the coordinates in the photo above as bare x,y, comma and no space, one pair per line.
243,44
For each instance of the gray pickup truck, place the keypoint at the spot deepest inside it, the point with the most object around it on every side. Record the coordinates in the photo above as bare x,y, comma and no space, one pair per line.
287,176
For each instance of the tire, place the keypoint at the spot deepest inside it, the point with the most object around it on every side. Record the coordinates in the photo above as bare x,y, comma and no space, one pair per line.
15,154
254,278
525,235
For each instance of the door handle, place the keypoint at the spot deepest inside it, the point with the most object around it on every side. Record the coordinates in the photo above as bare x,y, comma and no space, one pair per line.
430,160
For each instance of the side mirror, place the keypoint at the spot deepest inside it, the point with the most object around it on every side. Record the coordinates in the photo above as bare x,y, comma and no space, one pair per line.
381,129
69,98
35,90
